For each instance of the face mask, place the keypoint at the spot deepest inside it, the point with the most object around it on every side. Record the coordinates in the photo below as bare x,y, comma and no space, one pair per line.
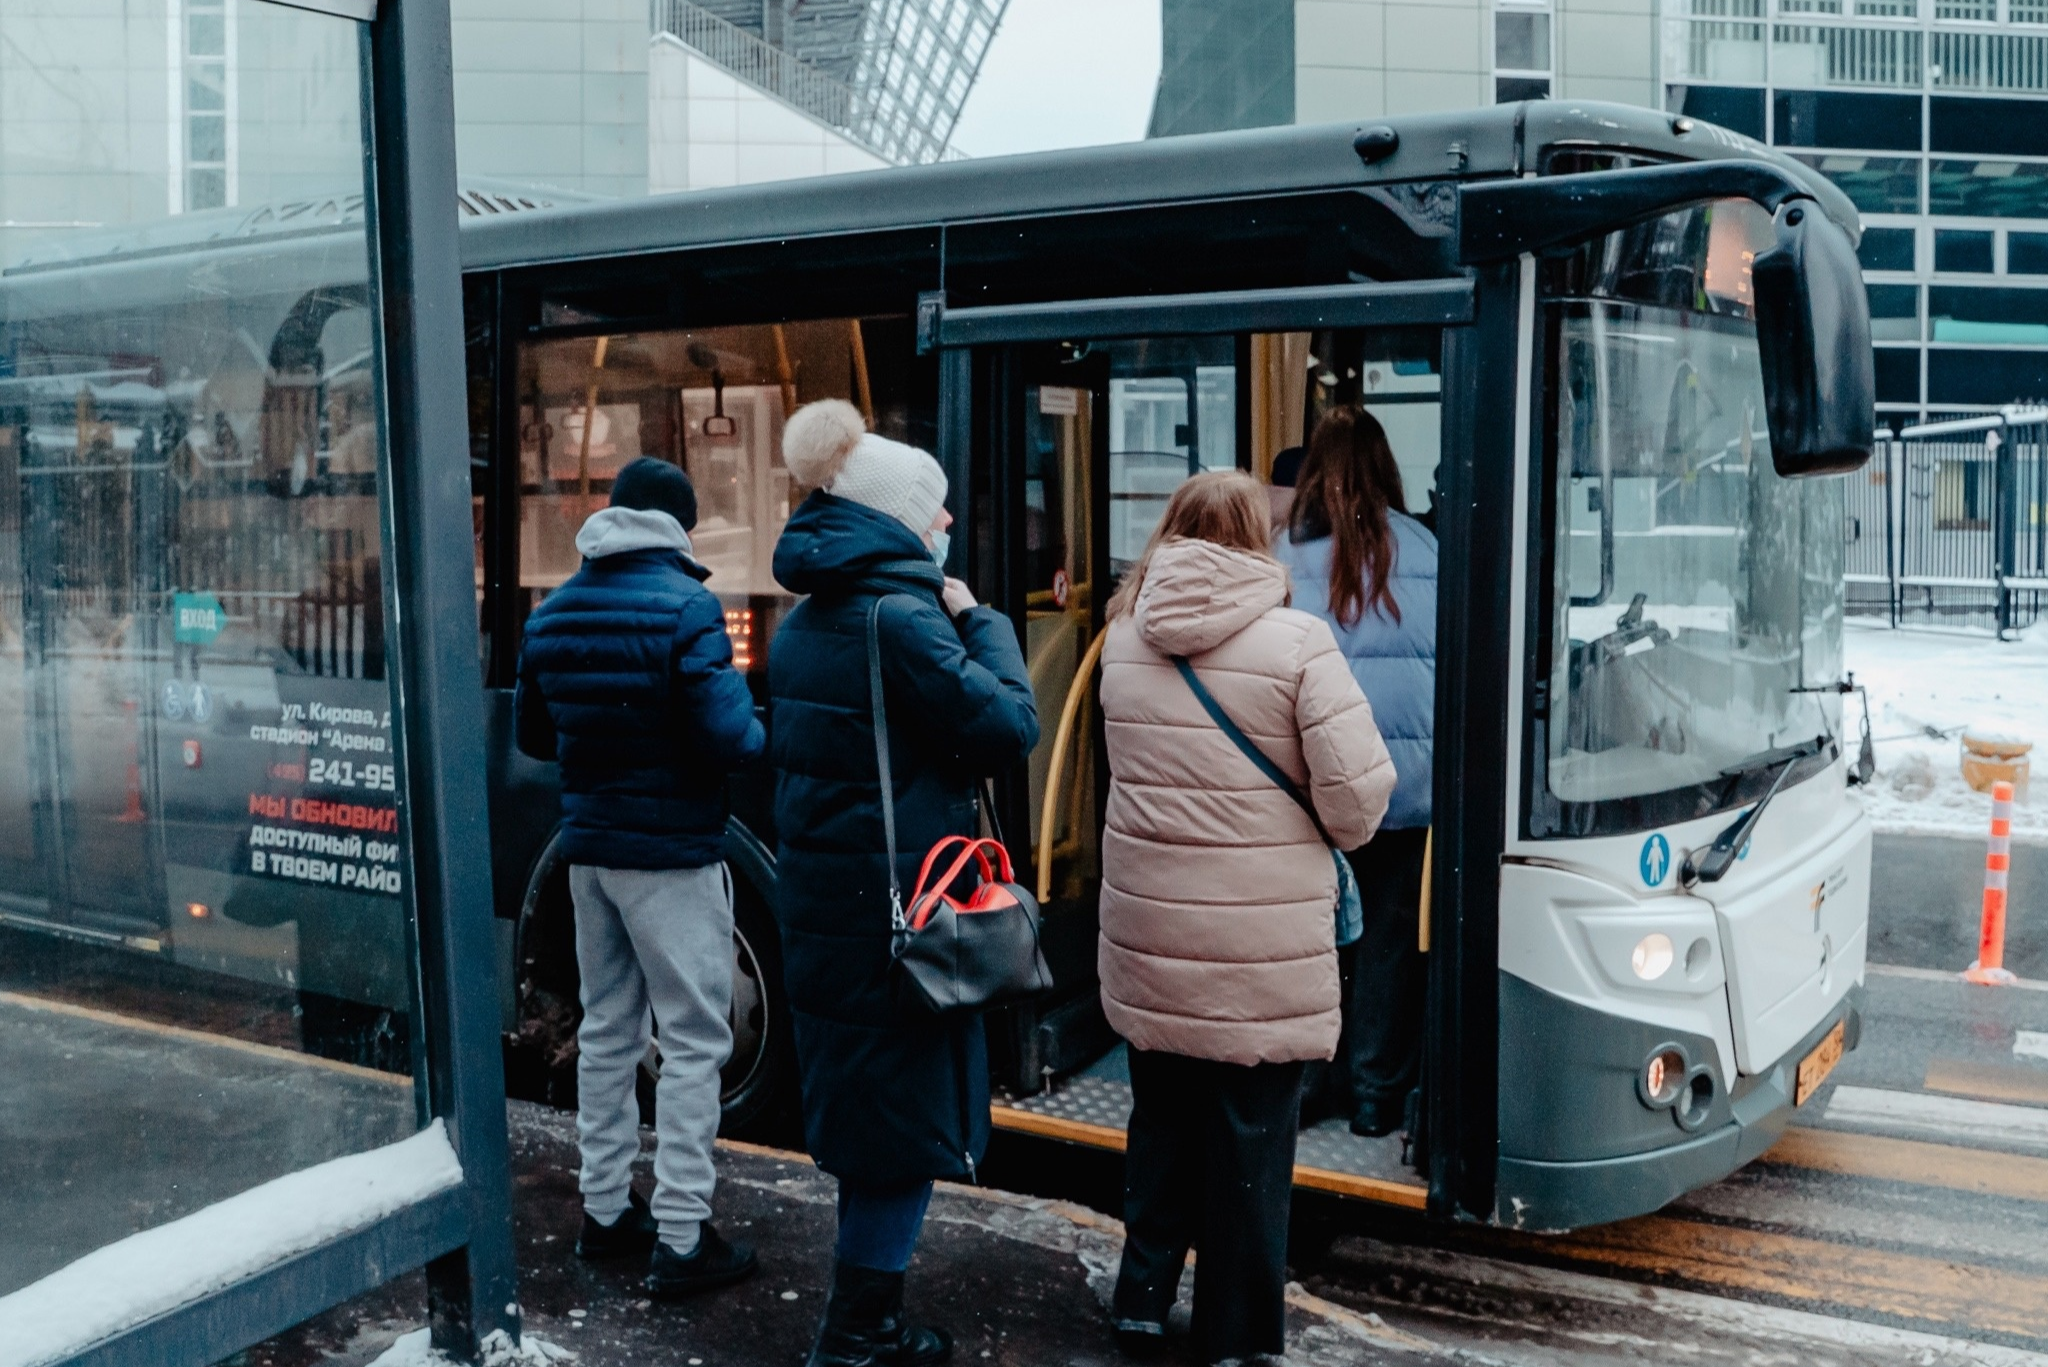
941,543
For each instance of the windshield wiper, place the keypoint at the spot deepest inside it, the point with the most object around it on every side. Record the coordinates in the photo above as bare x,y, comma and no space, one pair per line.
1721,855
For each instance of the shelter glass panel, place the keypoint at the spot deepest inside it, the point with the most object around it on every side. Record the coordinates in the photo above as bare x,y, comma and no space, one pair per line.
207,972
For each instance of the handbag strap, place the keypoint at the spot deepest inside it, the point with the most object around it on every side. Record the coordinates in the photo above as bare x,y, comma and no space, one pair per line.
896,920
1252,752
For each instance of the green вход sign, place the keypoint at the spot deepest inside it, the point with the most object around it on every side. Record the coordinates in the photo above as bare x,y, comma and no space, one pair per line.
196,618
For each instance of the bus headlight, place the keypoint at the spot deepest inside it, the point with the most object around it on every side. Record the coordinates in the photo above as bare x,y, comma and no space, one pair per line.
1652,957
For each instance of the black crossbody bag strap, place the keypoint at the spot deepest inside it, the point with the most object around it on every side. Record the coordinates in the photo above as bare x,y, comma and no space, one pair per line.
896,918
1272,771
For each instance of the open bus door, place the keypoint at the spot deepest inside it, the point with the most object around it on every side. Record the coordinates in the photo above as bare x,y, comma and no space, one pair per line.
1067,427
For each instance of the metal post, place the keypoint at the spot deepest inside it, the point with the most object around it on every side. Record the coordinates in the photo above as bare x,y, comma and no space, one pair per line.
1894,520
429,596
2005,474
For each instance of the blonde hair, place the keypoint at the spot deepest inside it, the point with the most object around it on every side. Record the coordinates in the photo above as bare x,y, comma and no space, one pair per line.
1225,507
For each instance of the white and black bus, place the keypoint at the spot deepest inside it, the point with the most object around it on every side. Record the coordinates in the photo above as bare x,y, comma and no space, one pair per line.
1621,357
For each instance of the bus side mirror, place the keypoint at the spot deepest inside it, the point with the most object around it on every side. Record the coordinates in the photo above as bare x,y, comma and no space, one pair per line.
1813,337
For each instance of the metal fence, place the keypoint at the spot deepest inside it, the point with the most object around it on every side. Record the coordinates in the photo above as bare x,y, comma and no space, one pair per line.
1952,530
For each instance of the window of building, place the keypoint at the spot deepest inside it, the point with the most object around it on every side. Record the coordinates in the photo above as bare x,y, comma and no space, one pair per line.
1957,249
1963,313
1886,249
1894,313
1736,108
1508,89
1957,123
1875,185
1521,40
1521,51
2027,11
1826,118
1986,377
2026,253
1898,374
1973,11
1988,189
204,178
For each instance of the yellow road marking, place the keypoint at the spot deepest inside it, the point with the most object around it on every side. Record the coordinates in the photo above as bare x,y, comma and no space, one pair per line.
54,1007
1378,1189
1905,1285
1988,1081
1984,1171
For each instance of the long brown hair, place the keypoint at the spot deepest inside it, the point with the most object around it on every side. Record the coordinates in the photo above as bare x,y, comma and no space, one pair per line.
1348,483
1227,507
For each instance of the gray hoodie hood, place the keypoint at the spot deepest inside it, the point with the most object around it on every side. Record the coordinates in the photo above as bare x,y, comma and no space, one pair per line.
614,531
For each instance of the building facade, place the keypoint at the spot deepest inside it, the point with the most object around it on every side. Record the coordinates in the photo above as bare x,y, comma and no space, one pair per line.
1931,114
127,112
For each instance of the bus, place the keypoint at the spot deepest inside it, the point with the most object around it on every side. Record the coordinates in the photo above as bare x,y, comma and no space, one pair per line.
1623,360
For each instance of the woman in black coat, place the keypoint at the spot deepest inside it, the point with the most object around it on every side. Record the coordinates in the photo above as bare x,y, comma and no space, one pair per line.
894,1096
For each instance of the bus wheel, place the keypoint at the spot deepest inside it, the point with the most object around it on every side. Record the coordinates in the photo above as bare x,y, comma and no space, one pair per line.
758,1082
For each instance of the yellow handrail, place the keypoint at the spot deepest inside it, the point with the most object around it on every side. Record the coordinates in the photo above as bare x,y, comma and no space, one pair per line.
1422,912
1084,674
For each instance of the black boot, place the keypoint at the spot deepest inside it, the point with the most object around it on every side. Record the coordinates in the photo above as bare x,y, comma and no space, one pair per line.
864,1325
632,1235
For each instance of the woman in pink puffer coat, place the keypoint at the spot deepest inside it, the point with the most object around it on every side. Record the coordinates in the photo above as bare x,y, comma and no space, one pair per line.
1218,957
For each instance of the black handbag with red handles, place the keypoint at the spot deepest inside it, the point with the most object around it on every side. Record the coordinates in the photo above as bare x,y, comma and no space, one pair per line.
957,952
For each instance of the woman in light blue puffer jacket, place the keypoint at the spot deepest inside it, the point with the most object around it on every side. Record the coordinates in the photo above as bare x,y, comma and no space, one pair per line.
1369,569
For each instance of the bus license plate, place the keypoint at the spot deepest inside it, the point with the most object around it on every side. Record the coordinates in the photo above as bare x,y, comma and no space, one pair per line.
1815,1067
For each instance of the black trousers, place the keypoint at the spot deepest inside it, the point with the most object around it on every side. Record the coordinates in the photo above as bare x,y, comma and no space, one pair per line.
1386,988
1210,1165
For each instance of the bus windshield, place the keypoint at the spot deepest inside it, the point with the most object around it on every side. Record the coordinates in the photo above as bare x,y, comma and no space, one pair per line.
1694,591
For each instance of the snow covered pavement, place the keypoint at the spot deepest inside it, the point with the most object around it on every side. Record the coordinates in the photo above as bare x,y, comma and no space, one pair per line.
1921,679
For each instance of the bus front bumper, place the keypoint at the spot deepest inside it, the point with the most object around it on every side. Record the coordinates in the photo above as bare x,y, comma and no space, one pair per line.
1560,1194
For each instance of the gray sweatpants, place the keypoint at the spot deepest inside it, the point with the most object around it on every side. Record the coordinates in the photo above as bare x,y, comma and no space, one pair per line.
652,943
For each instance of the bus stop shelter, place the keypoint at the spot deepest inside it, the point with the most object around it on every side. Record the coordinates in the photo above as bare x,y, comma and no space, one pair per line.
248,1023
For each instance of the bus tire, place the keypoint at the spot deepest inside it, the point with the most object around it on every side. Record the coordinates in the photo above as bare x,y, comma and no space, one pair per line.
759,1081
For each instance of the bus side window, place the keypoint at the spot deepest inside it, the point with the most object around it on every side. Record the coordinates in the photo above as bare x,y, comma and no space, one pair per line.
714,401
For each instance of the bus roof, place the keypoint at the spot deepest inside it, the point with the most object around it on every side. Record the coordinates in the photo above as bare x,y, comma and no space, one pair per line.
1501,140
256,244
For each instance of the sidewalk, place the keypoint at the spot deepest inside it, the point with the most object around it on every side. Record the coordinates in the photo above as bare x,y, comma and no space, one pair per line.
1020,1282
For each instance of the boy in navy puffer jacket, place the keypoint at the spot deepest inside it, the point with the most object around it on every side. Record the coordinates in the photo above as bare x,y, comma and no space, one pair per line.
626,679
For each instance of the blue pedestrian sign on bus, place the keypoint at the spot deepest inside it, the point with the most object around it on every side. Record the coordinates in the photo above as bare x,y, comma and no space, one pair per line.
1656,859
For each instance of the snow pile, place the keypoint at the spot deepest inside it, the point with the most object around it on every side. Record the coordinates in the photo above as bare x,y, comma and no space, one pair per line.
414,1350
1948,681
147,1274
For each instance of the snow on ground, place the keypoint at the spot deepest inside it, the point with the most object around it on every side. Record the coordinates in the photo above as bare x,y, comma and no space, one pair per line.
157,1270
1947,680
414,1350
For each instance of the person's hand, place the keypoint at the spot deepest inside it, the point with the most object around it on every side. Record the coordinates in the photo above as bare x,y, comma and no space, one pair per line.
957,597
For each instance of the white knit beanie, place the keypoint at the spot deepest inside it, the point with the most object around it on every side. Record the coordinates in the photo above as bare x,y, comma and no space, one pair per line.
827,445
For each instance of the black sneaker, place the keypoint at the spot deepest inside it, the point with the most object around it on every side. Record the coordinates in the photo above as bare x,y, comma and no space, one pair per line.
632,1235
714,1263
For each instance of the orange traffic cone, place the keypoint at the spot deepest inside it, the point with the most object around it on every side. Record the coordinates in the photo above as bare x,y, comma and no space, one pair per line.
1990,969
